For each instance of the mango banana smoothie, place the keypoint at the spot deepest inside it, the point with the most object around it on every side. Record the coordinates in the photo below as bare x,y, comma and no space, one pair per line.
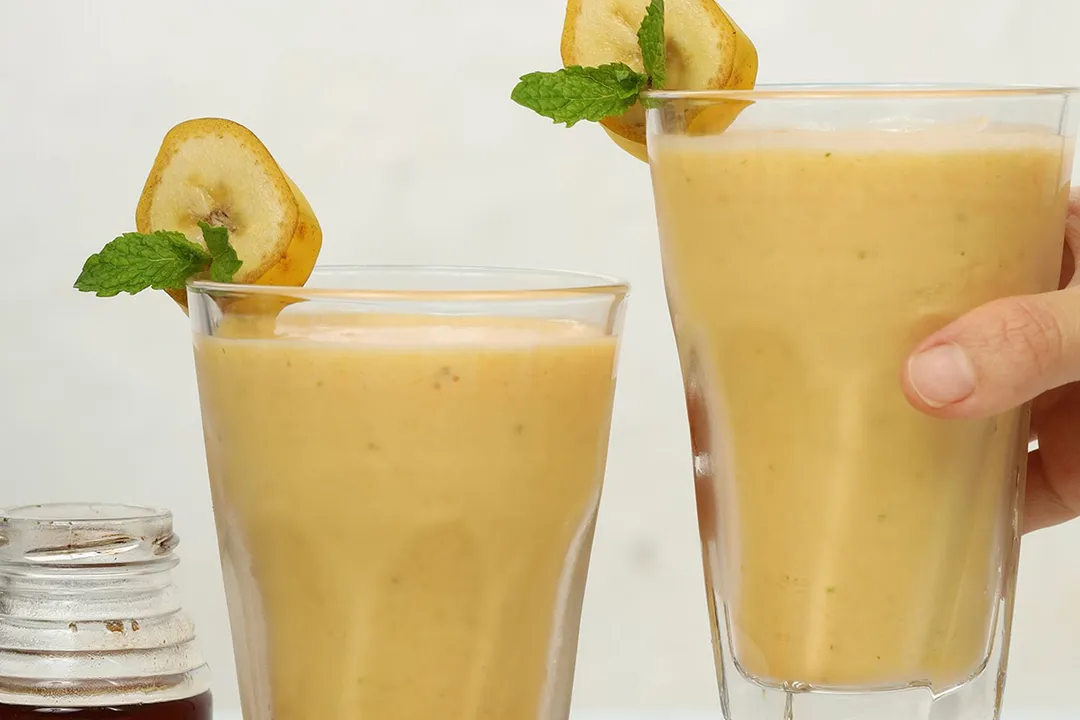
404,503
850,540
405,509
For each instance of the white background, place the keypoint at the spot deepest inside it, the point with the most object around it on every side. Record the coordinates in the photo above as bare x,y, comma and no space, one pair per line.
395,120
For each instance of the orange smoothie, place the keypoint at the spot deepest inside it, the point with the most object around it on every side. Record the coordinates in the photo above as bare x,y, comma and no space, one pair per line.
405,509
850,540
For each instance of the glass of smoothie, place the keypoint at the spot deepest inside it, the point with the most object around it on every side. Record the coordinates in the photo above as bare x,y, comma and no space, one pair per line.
405,465
860,556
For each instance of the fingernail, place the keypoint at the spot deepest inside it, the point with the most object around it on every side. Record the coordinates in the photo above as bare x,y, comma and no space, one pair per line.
942,375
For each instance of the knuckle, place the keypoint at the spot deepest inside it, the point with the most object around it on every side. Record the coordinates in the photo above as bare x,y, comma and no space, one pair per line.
1031,333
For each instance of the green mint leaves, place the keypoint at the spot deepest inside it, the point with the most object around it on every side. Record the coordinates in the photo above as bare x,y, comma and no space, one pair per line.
577,93
162,260
224,263
650,37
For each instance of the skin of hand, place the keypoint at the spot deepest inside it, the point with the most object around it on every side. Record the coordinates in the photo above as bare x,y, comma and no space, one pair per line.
1005,353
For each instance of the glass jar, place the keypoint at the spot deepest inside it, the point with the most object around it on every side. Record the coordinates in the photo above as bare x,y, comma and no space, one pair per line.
90,622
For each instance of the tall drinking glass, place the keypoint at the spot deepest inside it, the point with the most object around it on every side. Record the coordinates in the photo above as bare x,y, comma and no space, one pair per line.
860,557
405,466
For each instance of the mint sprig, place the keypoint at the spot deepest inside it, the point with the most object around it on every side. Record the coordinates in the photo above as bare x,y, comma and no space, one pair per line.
225,263
650,37
162,260
577,93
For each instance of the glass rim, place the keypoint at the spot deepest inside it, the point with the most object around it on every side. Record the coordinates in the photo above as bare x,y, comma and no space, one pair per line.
865,91
81,513
560,283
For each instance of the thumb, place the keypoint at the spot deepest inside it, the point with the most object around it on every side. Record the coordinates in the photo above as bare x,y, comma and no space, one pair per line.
998,356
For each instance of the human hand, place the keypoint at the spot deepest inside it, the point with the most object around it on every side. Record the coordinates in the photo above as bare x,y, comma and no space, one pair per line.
1005,353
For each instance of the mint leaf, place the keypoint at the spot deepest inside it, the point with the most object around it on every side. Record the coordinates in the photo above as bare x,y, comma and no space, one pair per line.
578,93
162,260
650,37
225,263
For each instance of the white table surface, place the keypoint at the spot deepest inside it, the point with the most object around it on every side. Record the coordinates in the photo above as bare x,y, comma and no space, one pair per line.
594,715
717,716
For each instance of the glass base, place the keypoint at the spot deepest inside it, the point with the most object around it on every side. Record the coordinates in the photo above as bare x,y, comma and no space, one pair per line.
979,698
